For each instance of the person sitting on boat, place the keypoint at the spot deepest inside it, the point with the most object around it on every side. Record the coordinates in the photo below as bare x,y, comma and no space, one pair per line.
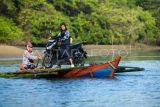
28,58
64,36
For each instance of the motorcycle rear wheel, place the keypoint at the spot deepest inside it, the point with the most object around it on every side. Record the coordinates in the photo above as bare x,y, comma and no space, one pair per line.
79,60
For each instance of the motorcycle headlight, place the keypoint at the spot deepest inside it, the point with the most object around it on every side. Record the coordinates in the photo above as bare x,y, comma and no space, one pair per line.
49,47
50,40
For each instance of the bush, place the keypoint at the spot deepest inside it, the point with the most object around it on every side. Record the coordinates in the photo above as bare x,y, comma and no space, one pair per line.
9,32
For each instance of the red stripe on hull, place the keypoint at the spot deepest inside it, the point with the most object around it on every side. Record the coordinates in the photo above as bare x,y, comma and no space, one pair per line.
93,68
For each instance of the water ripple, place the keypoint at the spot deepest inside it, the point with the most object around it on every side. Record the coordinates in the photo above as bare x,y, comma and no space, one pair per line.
127,89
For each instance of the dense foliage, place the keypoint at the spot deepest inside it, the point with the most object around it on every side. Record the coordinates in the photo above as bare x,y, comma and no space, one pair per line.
90,21
9,32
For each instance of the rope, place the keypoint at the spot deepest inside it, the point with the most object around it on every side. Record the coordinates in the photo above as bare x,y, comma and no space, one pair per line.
91,74
111,65
38,58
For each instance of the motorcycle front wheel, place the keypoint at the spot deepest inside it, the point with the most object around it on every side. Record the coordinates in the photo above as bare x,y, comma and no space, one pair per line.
47,61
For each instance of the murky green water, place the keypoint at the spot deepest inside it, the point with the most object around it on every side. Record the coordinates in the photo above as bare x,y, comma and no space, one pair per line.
141,89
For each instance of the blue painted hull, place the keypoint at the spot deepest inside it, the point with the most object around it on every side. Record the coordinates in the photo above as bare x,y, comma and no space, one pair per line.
105,72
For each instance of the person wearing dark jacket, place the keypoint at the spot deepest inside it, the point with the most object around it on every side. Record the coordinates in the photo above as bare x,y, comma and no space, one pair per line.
65,39
64,34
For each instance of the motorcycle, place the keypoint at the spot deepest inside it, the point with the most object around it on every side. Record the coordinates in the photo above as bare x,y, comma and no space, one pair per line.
57,54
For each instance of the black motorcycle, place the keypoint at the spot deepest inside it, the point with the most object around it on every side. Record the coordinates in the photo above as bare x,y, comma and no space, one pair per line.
57,54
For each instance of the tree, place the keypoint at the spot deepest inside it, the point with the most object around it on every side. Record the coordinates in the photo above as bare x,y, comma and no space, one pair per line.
9,32
38,18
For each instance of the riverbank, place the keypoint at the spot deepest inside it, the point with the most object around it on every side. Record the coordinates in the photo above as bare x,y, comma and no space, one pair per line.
92,50
124,50
10,51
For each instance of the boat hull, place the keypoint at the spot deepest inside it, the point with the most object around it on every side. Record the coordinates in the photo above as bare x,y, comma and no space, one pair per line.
100,73
96,70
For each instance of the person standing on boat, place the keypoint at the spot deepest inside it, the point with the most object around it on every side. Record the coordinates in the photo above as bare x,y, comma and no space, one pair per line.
65,41
28,58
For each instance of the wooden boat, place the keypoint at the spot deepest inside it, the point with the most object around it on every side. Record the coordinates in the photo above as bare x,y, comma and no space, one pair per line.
122,69
94,70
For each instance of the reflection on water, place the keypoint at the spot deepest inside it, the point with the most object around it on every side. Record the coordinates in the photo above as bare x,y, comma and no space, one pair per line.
141,89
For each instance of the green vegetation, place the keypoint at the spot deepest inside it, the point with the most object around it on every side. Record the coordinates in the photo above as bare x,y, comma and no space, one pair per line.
9,32
90,21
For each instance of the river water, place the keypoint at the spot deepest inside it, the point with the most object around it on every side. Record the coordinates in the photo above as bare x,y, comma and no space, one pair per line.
141,89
